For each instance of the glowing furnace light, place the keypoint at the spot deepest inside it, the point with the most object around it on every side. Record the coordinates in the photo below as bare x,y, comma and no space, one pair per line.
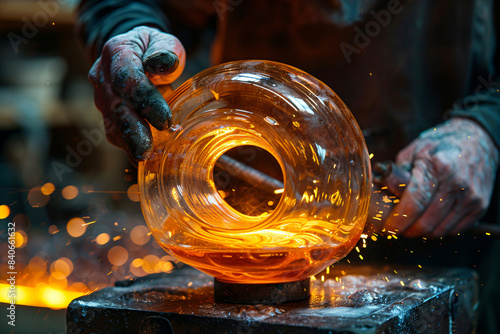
118,255
48,188
133,193
76,227
140,235
53,298
42,295
102,239
70,192
4,211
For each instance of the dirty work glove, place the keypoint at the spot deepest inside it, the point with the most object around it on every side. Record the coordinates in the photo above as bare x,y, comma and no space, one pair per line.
453,169
128,77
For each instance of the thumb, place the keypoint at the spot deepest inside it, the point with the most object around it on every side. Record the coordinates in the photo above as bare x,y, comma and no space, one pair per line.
160,62
164,58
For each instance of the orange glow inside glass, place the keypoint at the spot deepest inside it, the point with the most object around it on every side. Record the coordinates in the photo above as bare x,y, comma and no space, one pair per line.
284,123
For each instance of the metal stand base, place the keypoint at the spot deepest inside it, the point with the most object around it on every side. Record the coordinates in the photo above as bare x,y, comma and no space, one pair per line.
269,294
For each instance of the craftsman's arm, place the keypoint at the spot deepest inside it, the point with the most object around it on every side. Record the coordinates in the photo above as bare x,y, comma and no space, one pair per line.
100,20
136,56
453,166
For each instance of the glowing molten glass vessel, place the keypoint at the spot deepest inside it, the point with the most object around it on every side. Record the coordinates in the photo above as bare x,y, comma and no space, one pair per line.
317,144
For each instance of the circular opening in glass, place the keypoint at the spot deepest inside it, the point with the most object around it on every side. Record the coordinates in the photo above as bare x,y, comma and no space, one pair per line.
249,179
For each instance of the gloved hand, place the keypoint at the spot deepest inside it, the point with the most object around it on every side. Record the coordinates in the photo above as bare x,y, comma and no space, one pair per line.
133,67
453,169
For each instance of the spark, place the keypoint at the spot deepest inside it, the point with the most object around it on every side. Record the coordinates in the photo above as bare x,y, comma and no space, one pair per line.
87,224
279,191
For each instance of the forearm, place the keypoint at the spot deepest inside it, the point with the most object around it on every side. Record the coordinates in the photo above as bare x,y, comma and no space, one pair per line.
484,108
100,20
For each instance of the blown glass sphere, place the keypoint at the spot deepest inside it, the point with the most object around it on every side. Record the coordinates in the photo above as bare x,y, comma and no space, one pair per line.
287,126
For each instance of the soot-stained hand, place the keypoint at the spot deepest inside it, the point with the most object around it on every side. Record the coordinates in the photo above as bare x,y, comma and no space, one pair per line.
453,169
128,77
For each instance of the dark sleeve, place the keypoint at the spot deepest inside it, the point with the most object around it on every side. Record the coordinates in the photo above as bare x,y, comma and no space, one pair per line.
483,102
100,20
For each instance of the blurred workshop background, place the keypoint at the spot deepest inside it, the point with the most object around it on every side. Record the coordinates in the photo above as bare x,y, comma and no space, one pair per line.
71,196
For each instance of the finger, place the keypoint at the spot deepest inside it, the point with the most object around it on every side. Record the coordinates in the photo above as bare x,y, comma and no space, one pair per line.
415,199
127,130
164,58
132,85
123,127
161,62
392,176
133,131
433,216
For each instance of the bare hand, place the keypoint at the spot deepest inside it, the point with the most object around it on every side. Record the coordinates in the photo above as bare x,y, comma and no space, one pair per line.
453,169
126,79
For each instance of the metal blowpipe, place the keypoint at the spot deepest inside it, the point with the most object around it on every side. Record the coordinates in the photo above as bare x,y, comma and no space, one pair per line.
386,171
